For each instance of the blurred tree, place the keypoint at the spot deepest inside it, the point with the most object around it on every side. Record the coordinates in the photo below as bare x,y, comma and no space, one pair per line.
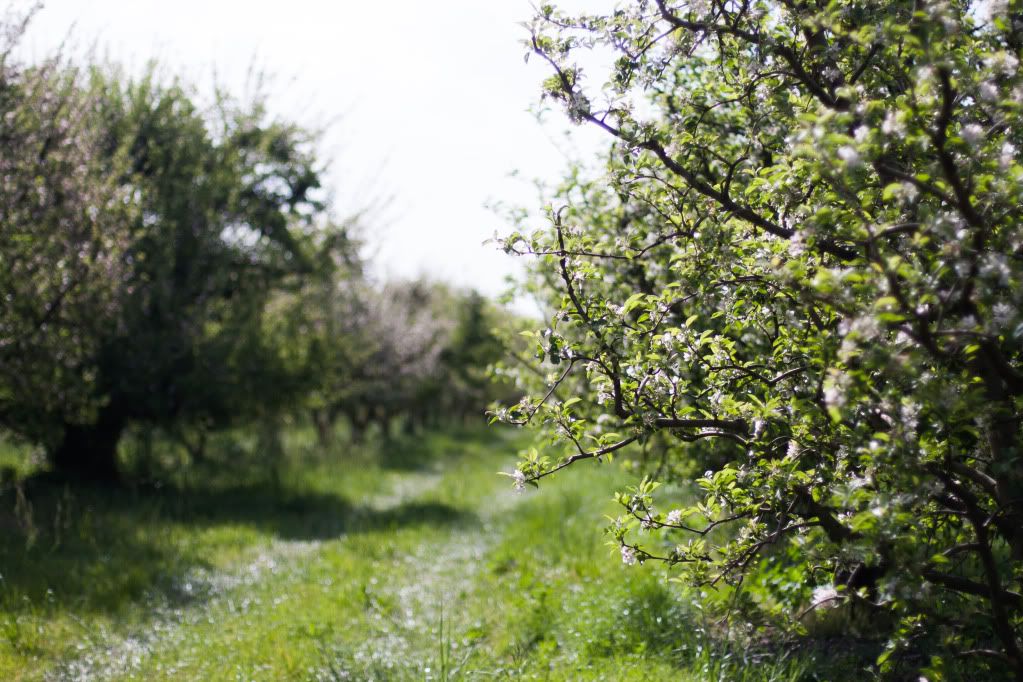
228,211
409,351
474,346
65,233
145,236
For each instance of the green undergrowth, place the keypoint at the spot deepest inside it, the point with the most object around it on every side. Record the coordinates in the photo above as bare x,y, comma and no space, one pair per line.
411,561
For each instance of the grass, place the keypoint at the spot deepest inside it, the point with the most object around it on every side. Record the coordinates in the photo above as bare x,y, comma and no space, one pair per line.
412,563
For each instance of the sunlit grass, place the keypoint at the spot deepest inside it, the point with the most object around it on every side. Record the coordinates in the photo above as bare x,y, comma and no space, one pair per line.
414,563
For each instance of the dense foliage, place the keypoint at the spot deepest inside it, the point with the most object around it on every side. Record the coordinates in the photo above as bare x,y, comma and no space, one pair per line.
414,352
800,272
171,263
64,232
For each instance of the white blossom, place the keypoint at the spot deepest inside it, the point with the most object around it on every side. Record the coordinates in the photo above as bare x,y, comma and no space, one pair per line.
992,9
628,556
857,482
973,134
849,156
674,517
824,594
520,480
1002,63
1007,156
797,247
996,267
893,125
908,191
988,91
1003,313
834,396
910,415
700,7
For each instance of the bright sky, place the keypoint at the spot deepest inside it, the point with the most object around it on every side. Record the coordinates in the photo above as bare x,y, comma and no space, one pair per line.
432,100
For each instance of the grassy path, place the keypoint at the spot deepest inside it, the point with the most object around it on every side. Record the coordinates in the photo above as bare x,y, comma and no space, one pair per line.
430,568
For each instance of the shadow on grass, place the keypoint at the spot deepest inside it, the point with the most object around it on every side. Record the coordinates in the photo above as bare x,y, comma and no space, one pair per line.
416,452
95,549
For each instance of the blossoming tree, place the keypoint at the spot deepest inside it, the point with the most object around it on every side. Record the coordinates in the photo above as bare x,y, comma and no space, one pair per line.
64,235
800,272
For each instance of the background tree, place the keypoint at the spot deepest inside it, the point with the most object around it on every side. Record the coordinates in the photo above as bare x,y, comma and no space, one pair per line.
64,239
802,265
229,204
414,352
143,235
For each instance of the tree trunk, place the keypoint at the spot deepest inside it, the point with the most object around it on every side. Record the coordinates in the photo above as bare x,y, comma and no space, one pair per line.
324,421
358,421
89,451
